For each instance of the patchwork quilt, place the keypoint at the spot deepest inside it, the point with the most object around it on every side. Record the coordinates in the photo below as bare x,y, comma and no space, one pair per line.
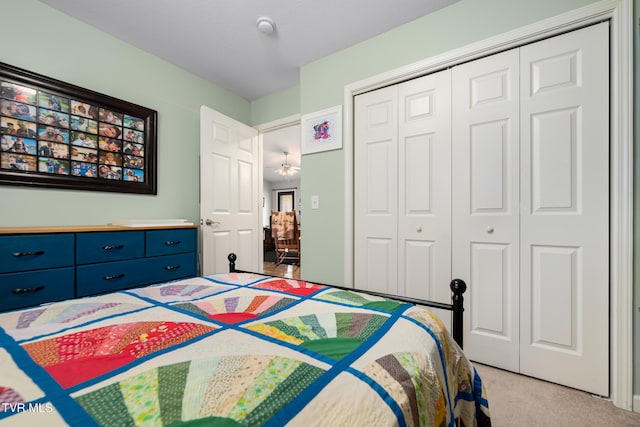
234,350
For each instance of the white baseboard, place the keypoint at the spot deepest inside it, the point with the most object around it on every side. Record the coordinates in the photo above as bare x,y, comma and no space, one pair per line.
636,403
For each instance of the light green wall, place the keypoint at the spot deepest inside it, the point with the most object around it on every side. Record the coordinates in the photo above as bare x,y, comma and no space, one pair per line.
276,106
48,42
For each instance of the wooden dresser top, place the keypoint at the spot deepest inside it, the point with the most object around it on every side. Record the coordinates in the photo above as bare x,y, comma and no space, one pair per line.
83,229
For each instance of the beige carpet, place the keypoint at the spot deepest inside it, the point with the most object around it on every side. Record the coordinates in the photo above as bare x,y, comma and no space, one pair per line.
517,400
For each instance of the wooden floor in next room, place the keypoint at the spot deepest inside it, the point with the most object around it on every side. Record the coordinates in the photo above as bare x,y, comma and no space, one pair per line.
283,270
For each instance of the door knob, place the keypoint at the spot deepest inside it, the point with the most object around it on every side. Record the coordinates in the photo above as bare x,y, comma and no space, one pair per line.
210,222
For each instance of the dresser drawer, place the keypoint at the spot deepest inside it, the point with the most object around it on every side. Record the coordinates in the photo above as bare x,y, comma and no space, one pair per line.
35,287
109,246
113,276
171,267
110,276
35,252
167,242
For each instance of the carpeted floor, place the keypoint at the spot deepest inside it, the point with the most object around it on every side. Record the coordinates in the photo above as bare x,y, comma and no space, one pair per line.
517,400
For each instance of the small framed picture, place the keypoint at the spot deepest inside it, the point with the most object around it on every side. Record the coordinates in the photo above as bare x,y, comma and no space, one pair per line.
322,130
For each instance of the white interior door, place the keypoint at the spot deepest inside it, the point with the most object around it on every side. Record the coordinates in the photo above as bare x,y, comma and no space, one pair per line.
564,280
230,189
424,187
486,205
376,195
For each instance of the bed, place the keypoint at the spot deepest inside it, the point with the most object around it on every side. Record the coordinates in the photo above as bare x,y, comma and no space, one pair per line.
235,349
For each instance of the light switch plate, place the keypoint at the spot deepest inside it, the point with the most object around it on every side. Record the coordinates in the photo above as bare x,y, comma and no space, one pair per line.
315,202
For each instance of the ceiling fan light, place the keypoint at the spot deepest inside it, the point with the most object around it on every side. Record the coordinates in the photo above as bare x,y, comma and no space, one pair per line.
285,168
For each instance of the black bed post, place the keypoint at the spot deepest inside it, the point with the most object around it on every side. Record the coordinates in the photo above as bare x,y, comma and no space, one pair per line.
232,262
457,288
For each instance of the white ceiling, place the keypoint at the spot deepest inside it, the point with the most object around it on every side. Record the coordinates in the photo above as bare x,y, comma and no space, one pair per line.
218,40
275,143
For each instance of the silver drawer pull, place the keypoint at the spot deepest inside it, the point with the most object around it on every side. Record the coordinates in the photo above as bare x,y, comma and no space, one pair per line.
112,247
114,277
35,253
25,290
172,267
172,242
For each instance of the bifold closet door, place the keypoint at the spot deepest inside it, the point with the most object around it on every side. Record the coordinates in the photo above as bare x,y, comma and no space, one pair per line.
376,191
424,187
530,207
564,275
485,204
402,171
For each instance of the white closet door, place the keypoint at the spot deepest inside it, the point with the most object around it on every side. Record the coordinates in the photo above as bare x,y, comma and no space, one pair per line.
424,190
485,204
564,282
376,187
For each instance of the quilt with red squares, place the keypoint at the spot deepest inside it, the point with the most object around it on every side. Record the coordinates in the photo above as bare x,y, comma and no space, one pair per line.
234,349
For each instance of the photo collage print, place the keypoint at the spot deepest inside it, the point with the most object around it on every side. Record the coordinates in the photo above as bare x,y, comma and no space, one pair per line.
49,133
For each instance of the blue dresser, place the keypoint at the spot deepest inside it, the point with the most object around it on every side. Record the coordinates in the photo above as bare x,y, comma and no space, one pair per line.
45,264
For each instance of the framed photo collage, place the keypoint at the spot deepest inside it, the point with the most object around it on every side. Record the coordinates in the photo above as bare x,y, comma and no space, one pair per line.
54,134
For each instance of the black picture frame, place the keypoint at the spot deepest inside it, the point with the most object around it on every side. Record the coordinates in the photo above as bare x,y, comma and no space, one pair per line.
58,135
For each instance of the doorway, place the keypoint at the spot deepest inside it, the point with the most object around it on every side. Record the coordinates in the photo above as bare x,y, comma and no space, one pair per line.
285,201
281,189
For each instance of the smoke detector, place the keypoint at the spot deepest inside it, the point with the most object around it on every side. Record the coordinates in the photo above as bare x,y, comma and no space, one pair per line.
265,25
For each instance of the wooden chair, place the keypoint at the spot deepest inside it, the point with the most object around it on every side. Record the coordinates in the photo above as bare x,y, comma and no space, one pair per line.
286,236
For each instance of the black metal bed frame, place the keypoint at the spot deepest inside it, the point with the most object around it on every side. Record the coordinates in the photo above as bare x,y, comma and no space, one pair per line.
457,286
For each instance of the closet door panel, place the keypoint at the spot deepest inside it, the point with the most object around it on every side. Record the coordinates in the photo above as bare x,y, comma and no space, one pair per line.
490,267
485,214
424,187
376,194
554,161
565,209
489,156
